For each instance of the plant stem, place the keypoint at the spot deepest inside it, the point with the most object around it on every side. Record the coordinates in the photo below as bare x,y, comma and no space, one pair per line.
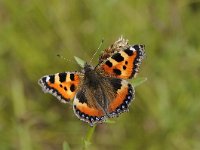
87,140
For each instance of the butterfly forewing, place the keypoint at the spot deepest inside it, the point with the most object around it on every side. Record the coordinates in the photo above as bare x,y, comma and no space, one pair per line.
61,85
125,63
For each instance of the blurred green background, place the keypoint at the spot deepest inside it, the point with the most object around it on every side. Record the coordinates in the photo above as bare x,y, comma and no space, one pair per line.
166,110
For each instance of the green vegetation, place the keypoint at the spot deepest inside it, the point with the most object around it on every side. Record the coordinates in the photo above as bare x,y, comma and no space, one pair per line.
166,111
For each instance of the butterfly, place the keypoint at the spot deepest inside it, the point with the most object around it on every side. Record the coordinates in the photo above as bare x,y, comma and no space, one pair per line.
102,91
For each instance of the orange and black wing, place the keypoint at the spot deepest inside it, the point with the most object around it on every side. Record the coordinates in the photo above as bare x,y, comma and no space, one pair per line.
123,63
61,85
116,94
124,94
87,108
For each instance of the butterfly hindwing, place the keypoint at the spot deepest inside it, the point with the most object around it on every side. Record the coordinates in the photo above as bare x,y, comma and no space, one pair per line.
61,85
124,63
86,108
88,104
124,95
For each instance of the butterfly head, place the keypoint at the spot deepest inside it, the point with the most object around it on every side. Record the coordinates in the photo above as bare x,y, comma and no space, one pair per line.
91,77
87,68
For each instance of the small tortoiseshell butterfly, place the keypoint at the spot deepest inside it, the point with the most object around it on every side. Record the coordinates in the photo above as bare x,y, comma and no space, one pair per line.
99,92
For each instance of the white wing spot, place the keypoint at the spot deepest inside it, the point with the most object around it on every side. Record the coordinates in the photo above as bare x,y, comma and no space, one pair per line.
133,49
47,78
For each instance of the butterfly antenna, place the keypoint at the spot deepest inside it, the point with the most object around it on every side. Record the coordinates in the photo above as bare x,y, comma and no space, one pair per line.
97,50
62,57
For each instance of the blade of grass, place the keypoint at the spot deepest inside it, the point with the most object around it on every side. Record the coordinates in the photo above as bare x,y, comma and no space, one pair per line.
80,61
138,81
66,146
19,106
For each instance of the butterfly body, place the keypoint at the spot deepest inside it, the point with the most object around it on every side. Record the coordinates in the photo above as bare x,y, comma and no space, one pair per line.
99,92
